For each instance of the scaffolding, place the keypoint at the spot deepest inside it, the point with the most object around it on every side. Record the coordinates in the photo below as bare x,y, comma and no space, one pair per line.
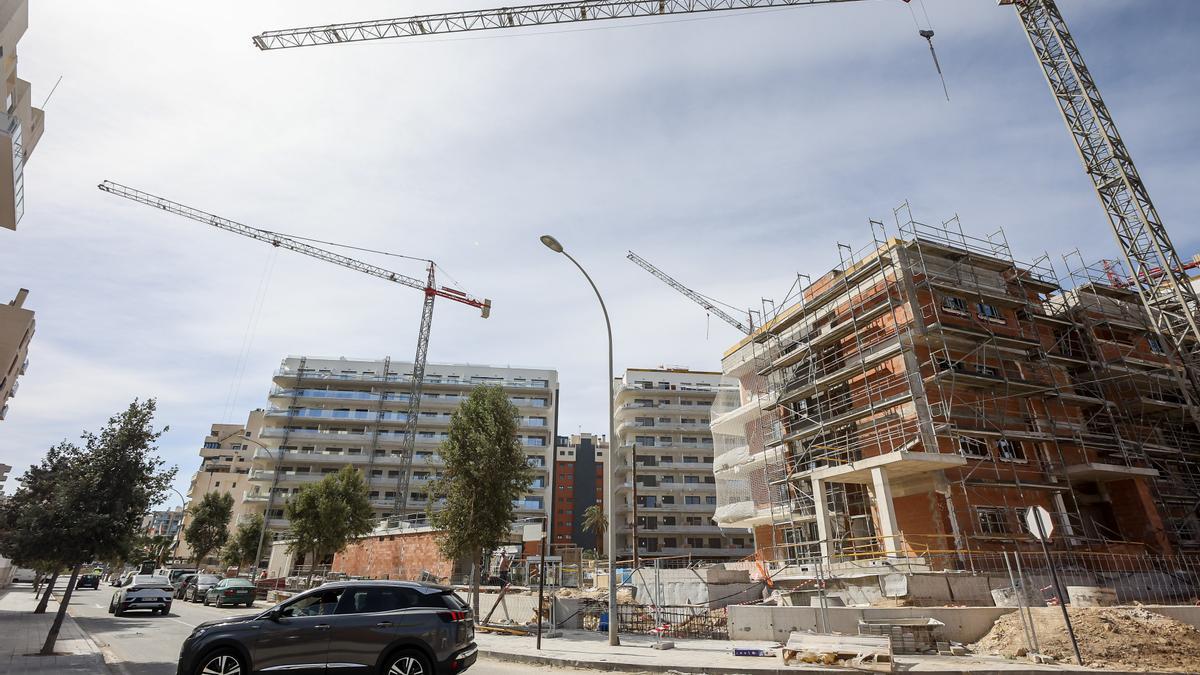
968,379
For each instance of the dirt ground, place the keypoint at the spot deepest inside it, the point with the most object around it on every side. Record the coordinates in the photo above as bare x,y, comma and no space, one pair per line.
1130,638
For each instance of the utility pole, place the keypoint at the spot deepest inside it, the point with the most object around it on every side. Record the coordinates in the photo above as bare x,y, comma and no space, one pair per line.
633,451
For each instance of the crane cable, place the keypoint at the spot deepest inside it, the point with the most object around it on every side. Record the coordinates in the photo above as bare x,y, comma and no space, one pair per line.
927,33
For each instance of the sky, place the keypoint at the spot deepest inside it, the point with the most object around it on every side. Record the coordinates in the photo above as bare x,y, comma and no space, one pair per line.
733,150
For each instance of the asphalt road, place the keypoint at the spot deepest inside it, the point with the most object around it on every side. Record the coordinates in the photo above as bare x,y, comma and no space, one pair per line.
143,644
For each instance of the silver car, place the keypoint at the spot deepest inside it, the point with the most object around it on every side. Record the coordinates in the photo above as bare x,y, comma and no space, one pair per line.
198,586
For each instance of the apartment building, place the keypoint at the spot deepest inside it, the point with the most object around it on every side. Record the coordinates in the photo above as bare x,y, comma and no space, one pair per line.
225,459
163,523
326,413
16,330
577,484
664,454
929,390
21,124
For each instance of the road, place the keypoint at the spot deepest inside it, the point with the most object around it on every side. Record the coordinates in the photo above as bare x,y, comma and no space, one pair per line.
143,644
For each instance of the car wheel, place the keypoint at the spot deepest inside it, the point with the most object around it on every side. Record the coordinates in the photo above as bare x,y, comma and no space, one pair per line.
110,606
222,662
407,663
117,611
206,601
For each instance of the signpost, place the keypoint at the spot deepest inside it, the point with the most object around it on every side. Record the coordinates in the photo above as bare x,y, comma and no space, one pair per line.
1037,519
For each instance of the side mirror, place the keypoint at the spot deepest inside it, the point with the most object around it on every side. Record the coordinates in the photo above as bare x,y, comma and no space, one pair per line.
273,614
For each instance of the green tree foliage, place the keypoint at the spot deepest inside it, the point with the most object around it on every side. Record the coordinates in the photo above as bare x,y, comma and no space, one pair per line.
209,528
486,471
328,515
244,543
86,503
596,522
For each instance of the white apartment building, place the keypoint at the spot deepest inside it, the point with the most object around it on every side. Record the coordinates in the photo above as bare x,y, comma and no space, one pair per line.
326,413
21,124
225,461
665,413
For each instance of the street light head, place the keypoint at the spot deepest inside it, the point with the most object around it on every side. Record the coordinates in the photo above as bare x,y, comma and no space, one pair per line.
552,243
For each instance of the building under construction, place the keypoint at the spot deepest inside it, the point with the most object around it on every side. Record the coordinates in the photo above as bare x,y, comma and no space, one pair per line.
916,400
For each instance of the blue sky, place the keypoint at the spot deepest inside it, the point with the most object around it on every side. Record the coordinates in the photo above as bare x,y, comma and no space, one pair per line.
732,151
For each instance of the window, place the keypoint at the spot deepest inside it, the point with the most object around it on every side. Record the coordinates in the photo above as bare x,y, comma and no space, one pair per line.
954,305
691,500
714,542
711,501
211,445
992,520
691,479
1011,451
318,604
668,520
989,312
667,479
695,521
1153,341
371,600
691,460
670,542
972,447
985,370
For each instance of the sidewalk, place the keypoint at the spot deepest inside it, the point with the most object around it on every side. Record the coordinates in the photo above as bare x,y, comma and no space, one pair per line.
588,649
22,634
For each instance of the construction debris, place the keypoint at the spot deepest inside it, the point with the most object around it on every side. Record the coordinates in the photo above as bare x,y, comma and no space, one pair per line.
1131,638
864,652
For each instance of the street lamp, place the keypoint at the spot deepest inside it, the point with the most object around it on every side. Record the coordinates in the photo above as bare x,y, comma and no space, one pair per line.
262,531
610,500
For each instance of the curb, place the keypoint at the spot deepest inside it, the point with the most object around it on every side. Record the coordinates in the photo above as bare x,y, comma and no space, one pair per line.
619,667
101,653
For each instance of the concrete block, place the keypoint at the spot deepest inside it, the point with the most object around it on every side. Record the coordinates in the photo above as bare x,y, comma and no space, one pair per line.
1091,596
928,589
751,622
970,590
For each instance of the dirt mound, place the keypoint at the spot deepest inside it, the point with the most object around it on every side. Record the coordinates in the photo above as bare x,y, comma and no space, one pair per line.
625,595
1131,638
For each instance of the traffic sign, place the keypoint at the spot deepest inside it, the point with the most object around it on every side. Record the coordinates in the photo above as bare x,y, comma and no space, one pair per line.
1039,516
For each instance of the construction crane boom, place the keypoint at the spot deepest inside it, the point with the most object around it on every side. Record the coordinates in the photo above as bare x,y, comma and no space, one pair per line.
1167,295
428,287
505,17
693,295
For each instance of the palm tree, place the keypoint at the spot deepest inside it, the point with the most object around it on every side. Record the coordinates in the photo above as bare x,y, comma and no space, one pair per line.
595,522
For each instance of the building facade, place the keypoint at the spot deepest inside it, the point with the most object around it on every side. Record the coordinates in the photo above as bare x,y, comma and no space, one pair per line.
926,393
21,124
225,459
163,523
327,413
664,452
577,484
16,330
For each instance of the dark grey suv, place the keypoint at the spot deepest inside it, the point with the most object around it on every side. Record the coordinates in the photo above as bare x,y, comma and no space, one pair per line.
385,627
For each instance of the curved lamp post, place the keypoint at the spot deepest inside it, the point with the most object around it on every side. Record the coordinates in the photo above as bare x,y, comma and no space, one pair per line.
610,501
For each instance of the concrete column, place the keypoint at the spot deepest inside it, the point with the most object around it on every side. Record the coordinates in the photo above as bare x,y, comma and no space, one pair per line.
824,530
882,493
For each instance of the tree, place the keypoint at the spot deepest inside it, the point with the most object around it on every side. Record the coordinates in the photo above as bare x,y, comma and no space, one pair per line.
486,471
29,518
596,522
92,506
244,543
328,515
209,528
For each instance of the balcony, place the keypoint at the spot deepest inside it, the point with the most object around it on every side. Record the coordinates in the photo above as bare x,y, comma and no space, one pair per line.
661,427
733,423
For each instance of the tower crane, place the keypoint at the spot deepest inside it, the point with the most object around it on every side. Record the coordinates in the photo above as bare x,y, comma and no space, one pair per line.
429,287
1153,263
746,328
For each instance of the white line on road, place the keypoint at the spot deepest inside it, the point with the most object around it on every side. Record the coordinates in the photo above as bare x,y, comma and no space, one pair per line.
189,625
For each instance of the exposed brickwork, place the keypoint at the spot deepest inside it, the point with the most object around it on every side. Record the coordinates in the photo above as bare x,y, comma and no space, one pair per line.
394,556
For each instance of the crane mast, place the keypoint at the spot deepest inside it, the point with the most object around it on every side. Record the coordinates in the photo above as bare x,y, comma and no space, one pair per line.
429,287
689,293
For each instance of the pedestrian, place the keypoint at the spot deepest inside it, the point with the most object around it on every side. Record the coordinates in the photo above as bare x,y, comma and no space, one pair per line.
505,564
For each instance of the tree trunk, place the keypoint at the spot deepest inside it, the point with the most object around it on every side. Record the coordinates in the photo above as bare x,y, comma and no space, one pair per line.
476,563
41,608
52,637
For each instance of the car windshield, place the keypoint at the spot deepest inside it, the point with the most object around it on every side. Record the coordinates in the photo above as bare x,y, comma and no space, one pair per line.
208,579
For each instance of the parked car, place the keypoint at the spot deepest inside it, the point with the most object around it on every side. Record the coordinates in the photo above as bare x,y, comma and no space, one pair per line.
365,626
142,591
181,587
233,591
24,574
174,574
88,581
197,587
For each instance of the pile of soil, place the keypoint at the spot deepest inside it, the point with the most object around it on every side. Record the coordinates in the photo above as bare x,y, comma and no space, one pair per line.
1130,638
625,595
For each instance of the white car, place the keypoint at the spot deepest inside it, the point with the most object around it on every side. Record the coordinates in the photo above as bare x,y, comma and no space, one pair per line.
24,574
142,591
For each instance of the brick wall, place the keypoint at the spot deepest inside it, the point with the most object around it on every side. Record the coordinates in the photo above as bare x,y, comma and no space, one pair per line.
396,555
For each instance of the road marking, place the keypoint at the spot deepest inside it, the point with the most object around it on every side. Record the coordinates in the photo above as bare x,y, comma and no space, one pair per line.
97,606
189,625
